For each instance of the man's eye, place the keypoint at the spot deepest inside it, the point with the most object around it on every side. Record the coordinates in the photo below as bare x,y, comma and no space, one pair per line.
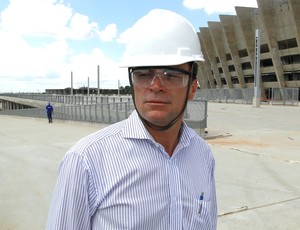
140,73
145,75
173,75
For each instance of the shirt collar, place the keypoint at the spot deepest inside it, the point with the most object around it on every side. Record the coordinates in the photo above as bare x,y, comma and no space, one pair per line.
134,128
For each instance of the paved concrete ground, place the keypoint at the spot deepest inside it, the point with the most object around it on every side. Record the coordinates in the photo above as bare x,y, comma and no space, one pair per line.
257,153
257,166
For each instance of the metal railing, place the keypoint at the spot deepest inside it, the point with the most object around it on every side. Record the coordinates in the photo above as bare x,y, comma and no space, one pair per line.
276,96
103,112
287,96
282,96
73,99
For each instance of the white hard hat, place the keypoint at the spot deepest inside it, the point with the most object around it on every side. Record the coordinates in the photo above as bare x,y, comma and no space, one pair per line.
162,38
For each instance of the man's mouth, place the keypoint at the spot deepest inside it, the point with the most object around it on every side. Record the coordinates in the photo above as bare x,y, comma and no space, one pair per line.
156,102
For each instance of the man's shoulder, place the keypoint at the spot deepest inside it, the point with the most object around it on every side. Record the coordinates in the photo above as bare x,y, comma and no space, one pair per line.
107,132
113,135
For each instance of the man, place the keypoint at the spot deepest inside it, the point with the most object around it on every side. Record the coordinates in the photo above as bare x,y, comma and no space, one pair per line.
150,171
49,110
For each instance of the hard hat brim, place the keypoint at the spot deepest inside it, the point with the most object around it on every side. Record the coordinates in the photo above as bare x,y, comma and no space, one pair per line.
159,60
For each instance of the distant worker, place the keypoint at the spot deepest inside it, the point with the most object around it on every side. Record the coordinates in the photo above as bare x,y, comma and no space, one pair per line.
49,110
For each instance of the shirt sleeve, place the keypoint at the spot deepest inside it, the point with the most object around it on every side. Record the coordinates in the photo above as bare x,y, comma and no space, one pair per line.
70,202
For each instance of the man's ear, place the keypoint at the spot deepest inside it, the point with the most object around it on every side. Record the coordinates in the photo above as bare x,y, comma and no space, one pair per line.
193,90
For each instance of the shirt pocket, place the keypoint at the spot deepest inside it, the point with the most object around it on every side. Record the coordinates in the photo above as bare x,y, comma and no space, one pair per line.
201,217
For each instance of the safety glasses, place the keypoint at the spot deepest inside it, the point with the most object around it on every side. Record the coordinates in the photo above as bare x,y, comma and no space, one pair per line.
169,77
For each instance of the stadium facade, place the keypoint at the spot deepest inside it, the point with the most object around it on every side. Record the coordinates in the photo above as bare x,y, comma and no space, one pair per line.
229,47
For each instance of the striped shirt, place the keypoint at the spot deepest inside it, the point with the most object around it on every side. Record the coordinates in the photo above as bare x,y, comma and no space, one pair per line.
120,178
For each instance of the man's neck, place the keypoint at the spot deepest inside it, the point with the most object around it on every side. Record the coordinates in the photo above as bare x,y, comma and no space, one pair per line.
167,138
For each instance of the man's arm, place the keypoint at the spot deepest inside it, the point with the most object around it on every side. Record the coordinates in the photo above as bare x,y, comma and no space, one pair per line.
70,205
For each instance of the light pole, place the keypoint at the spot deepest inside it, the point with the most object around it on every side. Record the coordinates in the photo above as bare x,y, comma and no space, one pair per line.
257,90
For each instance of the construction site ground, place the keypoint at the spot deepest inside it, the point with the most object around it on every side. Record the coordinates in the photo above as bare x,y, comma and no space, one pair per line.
257,152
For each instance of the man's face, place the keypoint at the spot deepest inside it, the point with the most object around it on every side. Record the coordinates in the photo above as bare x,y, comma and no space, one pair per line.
159,104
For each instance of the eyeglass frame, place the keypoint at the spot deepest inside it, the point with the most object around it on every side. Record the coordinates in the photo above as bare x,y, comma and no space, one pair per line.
162,78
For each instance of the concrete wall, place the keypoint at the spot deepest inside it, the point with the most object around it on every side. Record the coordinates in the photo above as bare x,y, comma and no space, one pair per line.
228,47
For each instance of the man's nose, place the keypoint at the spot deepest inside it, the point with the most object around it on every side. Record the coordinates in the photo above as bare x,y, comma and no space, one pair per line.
157,81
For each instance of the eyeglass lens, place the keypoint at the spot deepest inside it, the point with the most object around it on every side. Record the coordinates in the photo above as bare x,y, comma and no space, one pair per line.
170,78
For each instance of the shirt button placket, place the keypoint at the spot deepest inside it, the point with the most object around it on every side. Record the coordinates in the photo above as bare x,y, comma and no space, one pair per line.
175,193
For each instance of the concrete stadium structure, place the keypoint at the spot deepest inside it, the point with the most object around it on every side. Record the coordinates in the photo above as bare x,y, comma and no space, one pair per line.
229,47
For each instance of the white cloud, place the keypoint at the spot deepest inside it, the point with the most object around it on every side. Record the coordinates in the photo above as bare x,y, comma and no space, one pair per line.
218,6
80,28
36,51
35,17
123,38
46,18
109,33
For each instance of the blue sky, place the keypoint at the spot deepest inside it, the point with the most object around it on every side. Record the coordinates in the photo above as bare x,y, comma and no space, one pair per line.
42,41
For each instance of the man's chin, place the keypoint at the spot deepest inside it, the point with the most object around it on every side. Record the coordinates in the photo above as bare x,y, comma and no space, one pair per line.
158,120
